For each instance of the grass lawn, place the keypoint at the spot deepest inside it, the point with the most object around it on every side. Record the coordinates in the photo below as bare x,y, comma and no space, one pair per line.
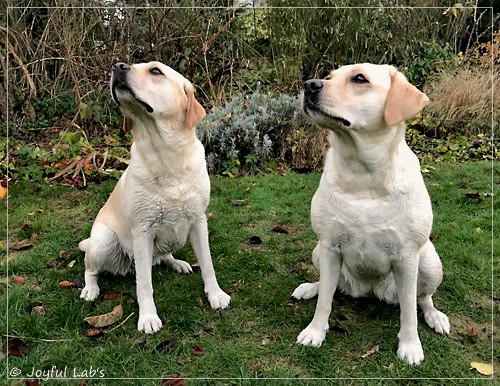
255,337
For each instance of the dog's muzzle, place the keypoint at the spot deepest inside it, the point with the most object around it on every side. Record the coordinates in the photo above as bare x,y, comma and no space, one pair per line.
312,90
119,82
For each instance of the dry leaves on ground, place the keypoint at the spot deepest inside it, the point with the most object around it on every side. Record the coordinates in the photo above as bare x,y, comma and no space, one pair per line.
482,368
106,319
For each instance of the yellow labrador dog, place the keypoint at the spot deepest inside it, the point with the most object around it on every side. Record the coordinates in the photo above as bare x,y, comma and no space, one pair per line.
371,212
161,198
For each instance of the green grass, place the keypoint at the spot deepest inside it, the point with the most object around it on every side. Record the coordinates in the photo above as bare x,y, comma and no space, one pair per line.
255,337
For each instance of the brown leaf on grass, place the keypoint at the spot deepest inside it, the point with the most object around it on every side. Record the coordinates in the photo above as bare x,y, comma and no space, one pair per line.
239,202
473,196
66,283
482,368
197,351
95,332
24,244
3,191
166,345
280,229
473,331
119,295
32,382
15,347
18,280
370,351
255,240
174,380
106,319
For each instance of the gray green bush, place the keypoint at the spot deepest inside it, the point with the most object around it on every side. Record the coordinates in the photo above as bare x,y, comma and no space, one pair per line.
245,133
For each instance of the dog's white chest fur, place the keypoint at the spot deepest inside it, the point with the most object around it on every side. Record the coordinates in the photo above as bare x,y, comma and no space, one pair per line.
368,231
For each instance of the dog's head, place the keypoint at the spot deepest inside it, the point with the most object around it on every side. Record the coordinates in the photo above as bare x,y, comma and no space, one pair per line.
361,97
155,91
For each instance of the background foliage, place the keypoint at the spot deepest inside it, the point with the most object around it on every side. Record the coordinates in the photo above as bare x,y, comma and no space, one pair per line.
56,61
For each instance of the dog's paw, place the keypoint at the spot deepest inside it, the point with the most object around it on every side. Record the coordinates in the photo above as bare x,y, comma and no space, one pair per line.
306,291
411,352
149,323
90,292
181,266
218,299
438,321
312,336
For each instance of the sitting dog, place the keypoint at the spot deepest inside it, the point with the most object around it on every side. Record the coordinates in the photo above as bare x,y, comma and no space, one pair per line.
161,198
371,212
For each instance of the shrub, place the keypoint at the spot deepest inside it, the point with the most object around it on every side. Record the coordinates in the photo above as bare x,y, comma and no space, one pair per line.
250,130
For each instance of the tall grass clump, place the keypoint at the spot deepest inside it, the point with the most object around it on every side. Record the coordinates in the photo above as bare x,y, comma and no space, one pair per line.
462,100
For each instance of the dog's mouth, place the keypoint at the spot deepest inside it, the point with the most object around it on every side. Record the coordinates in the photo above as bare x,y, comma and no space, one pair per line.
311,108
123,87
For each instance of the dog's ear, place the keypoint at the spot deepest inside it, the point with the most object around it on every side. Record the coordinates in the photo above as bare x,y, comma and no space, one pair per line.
127,123
403,101
194,111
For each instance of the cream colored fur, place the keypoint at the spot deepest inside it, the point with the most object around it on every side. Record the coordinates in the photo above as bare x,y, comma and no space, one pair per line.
371,212
160,200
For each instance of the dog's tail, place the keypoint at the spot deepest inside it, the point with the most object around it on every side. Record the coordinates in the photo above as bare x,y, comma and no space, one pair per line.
84,245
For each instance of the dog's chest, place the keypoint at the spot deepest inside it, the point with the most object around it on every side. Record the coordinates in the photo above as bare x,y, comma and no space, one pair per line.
367,233
168,216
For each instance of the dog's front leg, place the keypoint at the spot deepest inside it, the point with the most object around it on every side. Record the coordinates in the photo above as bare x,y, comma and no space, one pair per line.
405,277
330,263
199,240
149,322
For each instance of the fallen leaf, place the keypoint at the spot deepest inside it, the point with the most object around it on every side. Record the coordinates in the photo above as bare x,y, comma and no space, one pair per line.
339,329
389,368
482,368
18,280
106,319
38,309
473,196
181,361
71,263
265,341
78,281
94,332
239,202
15,347
32,382
174,380
66,283
280,229
255,240
166,345
24,244
370,351
197,351
3,192
472,332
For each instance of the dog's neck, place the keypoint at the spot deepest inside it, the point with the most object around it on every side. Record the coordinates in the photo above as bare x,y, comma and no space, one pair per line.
364,162
162,152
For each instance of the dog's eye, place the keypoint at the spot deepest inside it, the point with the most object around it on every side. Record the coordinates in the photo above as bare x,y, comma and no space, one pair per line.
156,71
359,78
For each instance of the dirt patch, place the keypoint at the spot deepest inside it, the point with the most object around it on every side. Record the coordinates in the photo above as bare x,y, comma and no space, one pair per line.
465,326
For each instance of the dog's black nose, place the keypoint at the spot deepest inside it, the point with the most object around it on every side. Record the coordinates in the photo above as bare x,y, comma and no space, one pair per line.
313,86
121,67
